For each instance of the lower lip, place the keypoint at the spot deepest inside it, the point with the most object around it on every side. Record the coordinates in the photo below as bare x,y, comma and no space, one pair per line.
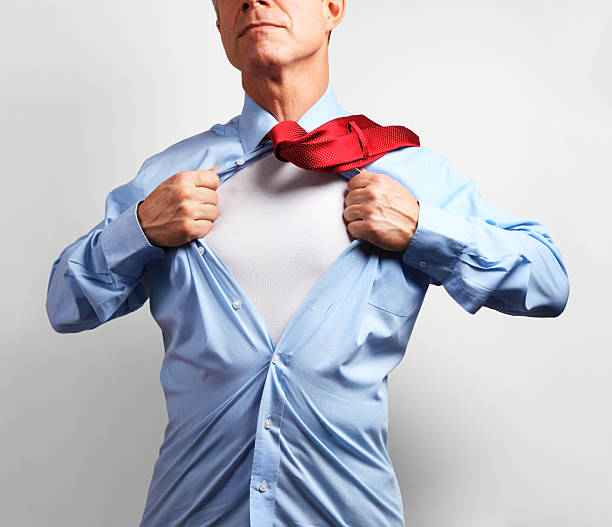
258,27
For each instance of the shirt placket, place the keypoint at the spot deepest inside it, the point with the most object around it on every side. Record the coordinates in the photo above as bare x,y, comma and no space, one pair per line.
266,454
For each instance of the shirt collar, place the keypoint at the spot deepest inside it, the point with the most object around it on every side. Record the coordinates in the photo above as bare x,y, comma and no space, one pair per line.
255,122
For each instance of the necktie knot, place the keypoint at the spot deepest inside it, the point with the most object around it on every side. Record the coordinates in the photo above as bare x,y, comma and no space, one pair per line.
338,145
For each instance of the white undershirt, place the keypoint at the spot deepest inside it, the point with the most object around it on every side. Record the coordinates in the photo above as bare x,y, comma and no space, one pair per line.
279,228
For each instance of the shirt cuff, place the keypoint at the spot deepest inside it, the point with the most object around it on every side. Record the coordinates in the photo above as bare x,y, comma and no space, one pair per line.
439,239
125,245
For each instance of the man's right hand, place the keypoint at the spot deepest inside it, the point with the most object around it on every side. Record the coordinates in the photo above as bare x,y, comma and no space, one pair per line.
180,209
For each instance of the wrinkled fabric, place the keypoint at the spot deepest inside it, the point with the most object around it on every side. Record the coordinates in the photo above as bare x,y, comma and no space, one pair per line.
339,144
293,434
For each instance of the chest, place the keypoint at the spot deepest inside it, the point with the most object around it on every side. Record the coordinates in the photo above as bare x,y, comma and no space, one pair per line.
279,228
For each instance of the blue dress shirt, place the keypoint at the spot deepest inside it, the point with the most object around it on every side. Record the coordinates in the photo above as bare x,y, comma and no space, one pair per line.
293,434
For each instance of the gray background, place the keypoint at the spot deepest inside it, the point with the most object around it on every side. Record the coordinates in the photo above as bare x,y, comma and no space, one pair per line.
495,420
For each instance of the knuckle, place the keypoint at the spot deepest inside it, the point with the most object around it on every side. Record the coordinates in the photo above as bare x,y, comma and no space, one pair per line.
369,227
371,193
210,211
183,193
186,226
180,176
204,228
210,197
184,208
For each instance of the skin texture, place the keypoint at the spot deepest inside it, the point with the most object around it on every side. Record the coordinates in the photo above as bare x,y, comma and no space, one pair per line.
380,210
285,52
277,62
180,209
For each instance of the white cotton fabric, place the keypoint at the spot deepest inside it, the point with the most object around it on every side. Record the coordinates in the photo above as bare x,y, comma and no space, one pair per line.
279,228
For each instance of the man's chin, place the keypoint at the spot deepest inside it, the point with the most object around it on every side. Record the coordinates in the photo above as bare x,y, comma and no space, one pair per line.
261,62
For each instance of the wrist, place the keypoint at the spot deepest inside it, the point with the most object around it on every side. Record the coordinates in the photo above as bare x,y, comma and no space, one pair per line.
141,222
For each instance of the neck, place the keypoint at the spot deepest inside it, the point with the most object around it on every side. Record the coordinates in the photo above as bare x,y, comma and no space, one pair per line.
289,91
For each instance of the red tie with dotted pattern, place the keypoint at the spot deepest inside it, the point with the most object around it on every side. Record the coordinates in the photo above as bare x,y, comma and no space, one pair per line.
338,145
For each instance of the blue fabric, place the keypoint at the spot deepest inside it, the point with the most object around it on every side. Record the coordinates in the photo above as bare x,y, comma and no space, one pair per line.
308,416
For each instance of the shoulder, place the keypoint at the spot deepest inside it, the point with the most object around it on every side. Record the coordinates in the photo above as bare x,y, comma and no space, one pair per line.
427,173
192,153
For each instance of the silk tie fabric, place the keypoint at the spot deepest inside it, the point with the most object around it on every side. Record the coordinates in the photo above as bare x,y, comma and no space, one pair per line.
338,145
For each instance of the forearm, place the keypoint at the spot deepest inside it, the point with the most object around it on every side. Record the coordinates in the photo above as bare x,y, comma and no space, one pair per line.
515,269
101,275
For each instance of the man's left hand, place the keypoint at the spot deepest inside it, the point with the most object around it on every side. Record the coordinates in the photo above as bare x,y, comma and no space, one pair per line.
380,210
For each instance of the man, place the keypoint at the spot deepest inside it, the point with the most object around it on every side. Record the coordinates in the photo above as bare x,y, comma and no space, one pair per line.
286,295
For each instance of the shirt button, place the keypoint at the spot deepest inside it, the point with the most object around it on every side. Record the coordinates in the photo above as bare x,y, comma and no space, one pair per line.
201,249
275,358
423,264
263,486
267,423
237,304
240,161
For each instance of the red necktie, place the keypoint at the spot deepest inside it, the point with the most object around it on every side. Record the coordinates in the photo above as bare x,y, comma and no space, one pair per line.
338,145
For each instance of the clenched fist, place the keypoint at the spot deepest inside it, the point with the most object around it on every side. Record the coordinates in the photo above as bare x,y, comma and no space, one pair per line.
380,210
180,209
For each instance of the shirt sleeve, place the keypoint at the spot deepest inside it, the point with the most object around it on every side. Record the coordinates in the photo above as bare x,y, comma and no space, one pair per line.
482,255
101,275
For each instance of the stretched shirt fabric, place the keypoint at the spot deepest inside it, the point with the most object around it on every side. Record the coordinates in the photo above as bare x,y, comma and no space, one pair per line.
293,433
288,210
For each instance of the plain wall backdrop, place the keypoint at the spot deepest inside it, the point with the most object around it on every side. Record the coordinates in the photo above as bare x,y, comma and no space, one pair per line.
495,420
